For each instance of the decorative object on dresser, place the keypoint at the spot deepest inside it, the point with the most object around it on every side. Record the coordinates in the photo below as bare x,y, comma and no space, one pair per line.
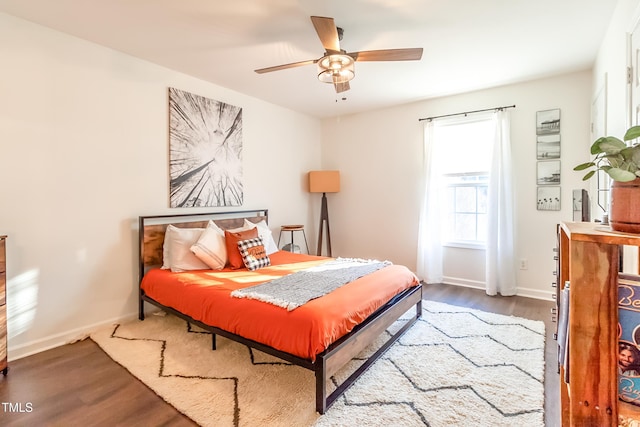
3,306
581,206
624,214
590,397
622,163
324,182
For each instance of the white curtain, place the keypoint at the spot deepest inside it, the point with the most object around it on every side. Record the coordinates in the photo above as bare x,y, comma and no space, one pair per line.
500,255
429,265
500,276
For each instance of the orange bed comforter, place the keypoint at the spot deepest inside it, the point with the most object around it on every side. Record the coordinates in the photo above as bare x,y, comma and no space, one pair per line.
305,331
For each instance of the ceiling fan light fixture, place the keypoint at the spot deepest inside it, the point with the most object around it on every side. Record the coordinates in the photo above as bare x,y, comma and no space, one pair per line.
336,68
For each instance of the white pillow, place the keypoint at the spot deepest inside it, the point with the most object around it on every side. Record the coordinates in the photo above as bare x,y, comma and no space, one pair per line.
210,247
270,245
177,255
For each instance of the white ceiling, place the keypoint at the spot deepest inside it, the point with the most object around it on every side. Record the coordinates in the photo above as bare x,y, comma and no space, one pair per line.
468,44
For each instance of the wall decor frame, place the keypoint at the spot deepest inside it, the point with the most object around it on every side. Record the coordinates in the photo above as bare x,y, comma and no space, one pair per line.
548,198
548,172
205,151
548,146
548,122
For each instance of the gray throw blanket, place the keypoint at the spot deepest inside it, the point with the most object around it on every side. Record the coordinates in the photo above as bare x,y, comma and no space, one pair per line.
295,289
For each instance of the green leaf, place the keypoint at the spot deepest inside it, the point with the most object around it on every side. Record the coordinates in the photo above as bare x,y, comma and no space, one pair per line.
595,147
627,153
615,157
635,155
632,133
621,175
612,145
615,160
584,166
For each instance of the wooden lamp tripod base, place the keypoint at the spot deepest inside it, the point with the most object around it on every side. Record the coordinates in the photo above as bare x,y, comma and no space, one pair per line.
324,182
324,218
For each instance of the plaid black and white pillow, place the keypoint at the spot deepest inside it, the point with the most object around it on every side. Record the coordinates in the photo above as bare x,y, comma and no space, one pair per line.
253,253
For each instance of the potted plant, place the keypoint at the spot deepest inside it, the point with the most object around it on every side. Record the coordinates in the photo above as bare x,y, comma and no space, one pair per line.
622,163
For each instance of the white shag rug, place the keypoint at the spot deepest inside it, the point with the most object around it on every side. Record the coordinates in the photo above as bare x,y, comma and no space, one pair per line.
454,367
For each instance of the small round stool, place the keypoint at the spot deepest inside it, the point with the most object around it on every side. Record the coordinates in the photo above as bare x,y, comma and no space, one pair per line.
292,229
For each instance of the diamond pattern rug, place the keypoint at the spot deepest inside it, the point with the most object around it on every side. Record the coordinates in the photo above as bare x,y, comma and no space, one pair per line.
454,367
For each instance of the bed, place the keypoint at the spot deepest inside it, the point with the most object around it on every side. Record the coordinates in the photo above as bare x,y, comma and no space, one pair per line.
322,335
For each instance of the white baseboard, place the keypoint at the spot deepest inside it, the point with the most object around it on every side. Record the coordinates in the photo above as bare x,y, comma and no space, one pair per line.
78,334
536,293
522,292
457,281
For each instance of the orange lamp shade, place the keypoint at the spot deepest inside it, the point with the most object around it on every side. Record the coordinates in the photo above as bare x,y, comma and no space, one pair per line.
324,181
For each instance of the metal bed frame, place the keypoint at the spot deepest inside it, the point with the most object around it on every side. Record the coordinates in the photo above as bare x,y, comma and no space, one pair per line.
151,230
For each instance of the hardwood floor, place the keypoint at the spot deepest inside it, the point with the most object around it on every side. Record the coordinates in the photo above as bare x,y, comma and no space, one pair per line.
79,384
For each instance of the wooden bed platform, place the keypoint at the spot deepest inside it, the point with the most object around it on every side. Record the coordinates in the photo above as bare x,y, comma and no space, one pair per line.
327,363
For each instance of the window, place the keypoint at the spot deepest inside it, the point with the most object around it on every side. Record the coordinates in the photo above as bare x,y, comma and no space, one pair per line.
465,210
463,154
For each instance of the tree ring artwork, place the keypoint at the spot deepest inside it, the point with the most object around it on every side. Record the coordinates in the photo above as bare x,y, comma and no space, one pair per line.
205,151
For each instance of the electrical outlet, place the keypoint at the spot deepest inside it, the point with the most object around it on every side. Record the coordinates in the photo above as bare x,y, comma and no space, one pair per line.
524,264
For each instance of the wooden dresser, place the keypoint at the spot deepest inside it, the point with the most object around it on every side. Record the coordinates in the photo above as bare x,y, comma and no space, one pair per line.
589,260
3,306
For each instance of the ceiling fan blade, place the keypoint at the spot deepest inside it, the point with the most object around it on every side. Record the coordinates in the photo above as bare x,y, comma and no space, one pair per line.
342,87
285,66
413,54
327,32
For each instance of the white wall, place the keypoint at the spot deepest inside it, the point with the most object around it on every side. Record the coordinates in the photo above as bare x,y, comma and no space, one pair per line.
379,155
609,73
612,61
84,152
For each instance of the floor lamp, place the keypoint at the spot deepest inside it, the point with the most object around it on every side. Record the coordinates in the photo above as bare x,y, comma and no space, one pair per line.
324,182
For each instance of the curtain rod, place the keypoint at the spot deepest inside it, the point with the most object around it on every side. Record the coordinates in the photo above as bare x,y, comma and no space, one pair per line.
468,112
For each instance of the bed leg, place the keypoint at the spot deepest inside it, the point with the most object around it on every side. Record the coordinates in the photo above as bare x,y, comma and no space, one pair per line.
140,309
213,341
419,309
321,386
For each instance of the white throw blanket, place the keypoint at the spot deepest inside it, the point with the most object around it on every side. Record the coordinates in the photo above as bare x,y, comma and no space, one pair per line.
293,290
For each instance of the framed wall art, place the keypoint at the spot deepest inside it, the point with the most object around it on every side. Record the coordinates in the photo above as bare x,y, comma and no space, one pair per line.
548,122
548,172
548,146
205,151
548,198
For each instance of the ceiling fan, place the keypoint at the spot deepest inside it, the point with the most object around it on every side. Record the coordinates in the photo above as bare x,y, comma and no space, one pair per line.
336,66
